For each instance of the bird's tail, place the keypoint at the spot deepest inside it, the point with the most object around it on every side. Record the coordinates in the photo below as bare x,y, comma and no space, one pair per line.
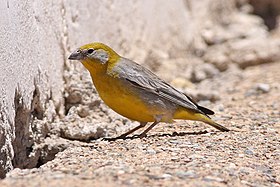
209,121
190,115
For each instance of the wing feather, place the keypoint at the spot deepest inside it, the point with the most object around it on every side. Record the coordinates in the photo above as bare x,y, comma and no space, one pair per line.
145,79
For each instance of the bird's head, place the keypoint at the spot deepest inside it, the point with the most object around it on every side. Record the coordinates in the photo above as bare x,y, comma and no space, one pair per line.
95,54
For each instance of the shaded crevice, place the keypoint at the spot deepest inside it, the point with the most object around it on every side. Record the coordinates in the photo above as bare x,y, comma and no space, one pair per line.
21,143
48,153
268,10
36,107
30,131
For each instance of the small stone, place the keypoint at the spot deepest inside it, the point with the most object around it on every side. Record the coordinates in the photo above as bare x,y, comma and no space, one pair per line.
175,159
186,174
263,87
221,108
232,165
83,111
166,176
212,178
84,131
207,165
241,155
246,170
151,152
264,169
231,168
248,152
160,177
120,172
74,97
250,93
204,71
196,156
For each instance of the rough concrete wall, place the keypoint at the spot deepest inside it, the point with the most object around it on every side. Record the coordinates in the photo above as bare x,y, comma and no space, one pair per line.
130,27
31,64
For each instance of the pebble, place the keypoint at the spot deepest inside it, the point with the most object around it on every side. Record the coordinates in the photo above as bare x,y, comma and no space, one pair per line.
265,88
232,165
151,151
186,174
175,159
246,170
204,71
264,169
231,168
120,172
250,92
241,155
212,178
18,172
196,156
163,176
258,88
83,111
166,176
221,107
248,152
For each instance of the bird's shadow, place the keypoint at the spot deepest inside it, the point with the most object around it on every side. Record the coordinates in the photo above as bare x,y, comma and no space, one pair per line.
174,134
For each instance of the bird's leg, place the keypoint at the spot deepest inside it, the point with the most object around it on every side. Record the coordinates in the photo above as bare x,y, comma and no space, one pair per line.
143,134
142,124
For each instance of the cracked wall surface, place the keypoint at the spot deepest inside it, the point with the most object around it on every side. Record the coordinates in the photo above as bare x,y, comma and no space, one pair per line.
31,74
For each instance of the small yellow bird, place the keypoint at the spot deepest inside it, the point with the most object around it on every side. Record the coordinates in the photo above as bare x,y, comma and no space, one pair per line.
135,92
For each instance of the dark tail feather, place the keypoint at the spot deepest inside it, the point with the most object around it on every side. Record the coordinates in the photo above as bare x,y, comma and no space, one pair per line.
205,110
201,108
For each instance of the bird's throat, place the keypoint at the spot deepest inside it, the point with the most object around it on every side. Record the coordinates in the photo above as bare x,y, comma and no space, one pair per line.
94,67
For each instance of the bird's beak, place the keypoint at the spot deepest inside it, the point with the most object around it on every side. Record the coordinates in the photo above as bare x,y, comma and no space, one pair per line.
76,55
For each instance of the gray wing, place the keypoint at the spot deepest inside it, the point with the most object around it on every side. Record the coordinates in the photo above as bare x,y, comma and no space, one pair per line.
145,79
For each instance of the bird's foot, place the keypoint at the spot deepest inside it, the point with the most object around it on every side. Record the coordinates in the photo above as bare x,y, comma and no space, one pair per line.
139,135
125,137
109,139
121,137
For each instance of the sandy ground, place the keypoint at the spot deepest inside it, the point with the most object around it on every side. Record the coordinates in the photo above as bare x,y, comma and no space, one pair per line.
184,153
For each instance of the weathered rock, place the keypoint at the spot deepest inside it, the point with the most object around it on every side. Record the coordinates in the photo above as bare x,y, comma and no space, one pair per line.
254,51
263,87
203,71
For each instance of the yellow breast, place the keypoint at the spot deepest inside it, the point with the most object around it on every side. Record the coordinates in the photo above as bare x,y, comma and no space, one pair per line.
122,99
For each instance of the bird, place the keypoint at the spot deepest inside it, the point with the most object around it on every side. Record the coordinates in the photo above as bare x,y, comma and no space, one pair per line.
135,92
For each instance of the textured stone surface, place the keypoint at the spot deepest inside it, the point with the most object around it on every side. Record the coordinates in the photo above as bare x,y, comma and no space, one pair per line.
31,74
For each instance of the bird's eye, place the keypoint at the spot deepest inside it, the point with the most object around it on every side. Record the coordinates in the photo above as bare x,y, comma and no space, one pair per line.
89,51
